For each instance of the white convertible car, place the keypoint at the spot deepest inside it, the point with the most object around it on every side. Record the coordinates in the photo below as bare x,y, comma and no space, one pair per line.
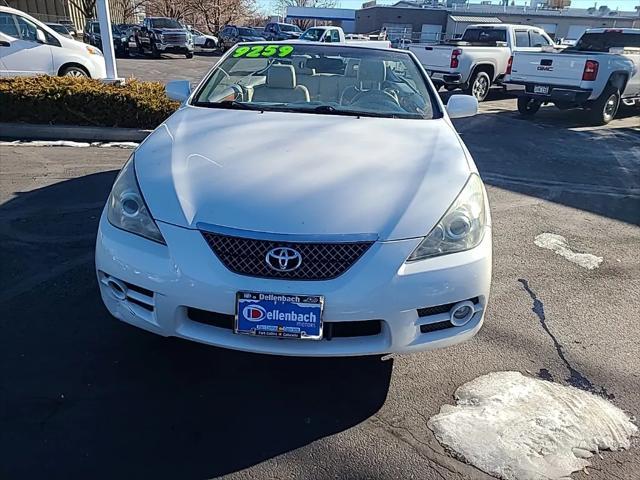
306,199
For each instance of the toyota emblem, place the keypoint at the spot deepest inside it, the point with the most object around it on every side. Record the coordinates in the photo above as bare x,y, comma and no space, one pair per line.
283,259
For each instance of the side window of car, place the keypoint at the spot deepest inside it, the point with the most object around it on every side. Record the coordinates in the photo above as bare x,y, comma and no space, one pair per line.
537,40
522,38
28,31
8,25
335,36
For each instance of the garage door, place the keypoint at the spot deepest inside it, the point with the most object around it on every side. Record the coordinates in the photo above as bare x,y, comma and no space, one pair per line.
430,33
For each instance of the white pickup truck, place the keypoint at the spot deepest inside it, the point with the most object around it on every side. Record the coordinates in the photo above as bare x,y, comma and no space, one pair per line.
331,34
480,58
599,72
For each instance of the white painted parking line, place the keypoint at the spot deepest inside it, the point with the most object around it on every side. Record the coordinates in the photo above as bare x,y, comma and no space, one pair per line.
559,245
68,143
516,427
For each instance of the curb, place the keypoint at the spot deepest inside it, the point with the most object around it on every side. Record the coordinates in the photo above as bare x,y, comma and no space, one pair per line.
30,131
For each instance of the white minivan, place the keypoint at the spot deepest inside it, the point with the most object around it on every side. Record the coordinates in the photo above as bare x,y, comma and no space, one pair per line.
29,47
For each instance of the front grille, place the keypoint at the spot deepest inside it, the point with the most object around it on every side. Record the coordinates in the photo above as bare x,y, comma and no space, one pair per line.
174,38
320,261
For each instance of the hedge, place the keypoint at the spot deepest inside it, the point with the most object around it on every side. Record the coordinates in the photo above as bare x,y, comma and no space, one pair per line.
83,101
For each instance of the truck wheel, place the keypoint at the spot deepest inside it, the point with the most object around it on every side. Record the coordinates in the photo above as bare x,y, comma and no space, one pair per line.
155,53
479,86
604,108
189,54
528,106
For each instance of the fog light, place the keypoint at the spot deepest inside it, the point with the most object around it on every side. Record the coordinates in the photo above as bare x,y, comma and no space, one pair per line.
461,313
117,288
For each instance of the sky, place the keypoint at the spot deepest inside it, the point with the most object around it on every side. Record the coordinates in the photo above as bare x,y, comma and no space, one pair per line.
267,5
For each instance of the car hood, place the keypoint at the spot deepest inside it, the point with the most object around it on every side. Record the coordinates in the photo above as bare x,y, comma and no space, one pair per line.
299,173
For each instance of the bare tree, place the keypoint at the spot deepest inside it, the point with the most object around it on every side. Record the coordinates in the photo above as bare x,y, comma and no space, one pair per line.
303,23
86,7
129,9
177,9
214,14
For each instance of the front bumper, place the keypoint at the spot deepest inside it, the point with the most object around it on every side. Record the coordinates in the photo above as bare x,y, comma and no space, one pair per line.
167,283
172,48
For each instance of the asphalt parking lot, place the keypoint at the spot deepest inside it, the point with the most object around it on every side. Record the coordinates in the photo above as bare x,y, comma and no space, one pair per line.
83,395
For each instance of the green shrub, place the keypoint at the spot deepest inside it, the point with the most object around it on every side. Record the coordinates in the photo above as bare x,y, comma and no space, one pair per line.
83,101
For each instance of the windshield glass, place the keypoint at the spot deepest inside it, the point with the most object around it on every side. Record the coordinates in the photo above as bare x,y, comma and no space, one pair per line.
602,42
284,27
318,78
165,23
248,32
484,35
58,28
313,34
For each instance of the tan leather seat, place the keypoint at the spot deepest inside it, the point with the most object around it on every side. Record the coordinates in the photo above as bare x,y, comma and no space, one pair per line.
280,86
371,76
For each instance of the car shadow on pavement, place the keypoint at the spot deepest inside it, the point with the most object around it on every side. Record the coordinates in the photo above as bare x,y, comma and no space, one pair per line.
592,169
84,395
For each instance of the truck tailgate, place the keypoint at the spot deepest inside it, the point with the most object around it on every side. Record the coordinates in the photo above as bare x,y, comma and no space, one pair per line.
433,57
548,68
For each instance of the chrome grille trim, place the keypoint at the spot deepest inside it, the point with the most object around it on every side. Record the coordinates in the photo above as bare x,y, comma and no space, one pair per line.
320,260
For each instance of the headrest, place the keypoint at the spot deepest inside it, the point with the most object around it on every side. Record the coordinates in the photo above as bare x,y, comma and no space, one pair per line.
326,65
350,70
372,71
281,76
300,65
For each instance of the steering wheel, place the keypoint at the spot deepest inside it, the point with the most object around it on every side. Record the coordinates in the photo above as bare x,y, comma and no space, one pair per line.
376,98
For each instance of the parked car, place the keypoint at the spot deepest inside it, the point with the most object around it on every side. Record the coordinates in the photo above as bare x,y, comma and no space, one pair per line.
480,59
331,34
70,26
231,34
159,35
29,47
353,224
92,36
599,72
259,31
61,29
281,31
203,40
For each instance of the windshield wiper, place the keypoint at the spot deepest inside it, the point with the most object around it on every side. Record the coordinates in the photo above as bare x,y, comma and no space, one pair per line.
230,104
330,110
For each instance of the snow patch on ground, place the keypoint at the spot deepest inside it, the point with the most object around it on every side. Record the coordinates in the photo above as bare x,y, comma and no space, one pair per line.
516,427
559,245
68,143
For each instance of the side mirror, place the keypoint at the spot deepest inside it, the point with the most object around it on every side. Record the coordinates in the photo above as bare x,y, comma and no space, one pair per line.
40,37
178,90
460,106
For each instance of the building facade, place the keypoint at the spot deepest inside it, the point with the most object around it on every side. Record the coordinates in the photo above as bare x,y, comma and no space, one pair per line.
56,10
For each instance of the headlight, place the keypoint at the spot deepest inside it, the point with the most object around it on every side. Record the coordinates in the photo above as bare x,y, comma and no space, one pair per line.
126,208
461,228
124,40
93,50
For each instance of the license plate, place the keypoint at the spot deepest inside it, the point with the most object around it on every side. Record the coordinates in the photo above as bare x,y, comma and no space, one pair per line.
542,89
279,315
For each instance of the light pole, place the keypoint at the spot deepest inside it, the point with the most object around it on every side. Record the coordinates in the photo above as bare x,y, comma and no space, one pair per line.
104,17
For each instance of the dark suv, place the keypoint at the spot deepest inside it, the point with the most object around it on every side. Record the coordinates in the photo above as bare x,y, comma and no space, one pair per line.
92,36
231,34
162,34
281,31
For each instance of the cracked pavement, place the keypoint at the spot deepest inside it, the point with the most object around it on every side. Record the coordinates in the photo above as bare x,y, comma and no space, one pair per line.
83,395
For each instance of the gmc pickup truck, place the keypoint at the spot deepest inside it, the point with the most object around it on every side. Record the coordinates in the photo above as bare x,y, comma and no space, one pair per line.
480,58
159,34
599,72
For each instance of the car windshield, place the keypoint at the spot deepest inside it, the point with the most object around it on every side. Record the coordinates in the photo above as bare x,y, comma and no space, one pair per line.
484,35
602,42
318,78
165,23
313,34
58,28
249,32
284,27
